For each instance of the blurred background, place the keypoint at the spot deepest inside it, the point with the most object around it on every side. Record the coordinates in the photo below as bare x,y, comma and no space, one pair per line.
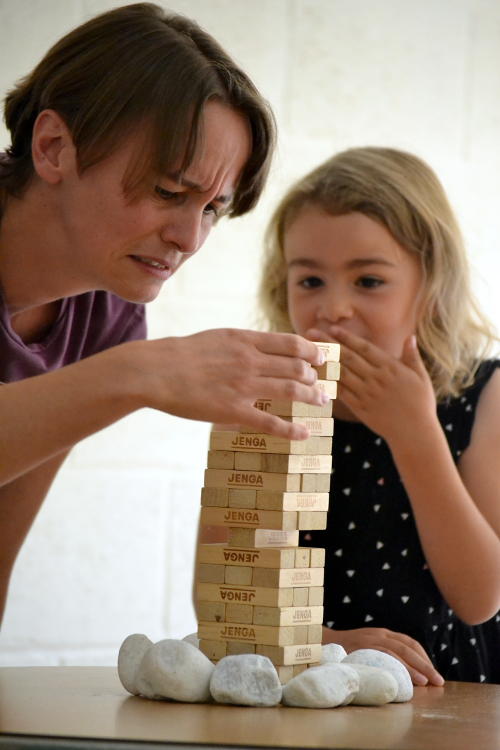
111,552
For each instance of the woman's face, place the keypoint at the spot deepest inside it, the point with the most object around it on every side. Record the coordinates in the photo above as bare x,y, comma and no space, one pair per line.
349,271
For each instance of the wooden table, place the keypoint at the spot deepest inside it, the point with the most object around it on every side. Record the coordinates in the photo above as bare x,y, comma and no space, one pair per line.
41,707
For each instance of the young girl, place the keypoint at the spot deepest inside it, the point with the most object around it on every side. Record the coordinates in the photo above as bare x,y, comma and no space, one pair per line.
365,251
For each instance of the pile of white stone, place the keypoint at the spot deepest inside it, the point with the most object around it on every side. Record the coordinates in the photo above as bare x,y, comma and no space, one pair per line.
177,670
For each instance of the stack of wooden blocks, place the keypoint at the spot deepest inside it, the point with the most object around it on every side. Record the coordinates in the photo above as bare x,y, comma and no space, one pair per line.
260,592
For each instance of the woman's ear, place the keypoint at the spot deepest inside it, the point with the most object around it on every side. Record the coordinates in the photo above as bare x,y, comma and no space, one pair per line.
53,151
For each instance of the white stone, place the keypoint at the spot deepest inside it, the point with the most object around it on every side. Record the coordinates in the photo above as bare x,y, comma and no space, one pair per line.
176,670
130,656
374,658
246,680
326,686
332,653
376,686
193,639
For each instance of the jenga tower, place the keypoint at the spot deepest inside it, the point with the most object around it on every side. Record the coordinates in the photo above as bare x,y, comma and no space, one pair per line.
262,593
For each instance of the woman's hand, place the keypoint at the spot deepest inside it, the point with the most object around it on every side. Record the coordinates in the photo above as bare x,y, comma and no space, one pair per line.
404,648
217,376
388,395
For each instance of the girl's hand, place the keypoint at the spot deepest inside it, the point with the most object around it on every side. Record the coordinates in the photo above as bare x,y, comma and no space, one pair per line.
404,648
391,396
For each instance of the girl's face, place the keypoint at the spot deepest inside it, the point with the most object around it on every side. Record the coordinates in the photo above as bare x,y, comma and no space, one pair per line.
349,271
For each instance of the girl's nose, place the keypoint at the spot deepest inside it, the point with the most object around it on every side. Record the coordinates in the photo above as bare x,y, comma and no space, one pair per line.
336,307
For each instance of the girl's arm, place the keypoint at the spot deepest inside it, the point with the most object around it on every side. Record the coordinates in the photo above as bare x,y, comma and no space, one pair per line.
457,511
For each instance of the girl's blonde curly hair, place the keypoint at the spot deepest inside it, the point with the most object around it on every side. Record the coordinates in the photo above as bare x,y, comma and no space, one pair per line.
402,193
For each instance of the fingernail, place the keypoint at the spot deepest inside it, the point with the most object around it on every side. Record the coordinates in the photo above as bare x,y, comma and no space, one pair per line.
321,357
325,398
420,679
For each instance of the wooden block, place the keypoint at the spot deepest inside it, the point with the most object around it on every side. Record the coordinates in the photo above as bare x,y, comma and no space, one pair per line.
251,462
292,500
317,426
257,634
300,633
221,554
225,440
315,482
253,480
262,538
209,611
242,613
242,498
284,655
214,497
267,597
220,460
239,647
293,408
300,597
287,615
285,520
315,596
284,673
310,519
281,463
329,371
209,573
302,558
214,650
238,576
315,632
317,557
299,668
330,351
287,577
327,386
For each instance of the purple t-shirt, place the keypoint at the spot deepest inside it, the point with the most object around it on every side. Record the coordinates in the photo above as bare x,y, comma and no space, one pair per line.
86,324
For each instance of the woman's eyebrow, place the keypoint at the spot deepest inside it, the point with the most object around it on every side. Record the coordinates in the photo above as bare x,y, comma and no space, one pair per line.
180,179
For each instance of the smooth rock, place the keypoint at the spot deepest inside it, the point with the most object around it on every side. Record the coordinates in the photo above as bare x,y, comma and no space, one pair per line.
176,670
374,658
246,680
193,639
332,653
130,656
326,686
376,686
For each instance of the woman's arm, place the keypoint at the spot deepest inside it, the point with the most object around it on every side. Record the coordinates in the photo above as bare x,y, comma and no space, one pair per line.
20,502
213,376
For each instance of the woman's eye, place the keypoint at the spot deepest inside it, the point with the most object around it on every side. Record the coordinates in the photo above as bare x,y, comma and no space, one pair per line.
164,194
211,210
312,282
369,282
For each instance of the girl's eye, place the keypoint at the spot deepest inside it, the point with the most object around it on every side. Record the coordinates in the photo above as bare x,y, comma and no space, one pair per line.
369,282
312,282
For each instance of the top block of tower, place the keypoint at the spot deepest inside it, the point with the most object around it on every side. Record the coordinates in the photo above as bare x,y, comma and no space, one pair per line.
331,351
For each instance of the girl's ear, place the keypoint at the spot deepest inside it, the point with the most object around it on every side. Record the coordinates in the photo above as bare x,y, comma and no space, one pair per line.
52,148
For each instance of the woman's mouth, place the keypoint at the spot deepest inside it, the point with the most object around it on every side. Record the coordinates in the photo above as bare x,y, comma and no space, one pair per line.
154,266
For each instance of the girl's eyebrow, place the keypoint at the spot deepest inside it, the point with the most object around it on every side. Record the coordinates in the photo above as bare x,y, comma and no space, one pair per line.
354,263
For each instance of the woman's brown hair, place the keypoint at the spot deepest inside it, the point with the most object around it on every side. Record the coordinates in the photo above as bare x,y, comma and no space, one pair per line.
136,67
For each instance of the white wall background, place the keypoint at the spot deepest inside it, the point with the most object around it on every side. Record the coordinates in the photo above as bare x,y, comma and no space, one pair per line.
111,552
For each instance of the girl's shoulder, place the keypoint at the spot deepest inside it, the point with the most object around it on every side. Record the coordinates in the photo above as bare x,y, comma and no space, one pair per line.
458,415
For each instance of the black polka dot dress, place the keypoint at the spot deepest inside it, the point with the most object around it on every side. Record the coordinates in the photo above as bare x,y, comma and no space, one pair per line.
375,571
